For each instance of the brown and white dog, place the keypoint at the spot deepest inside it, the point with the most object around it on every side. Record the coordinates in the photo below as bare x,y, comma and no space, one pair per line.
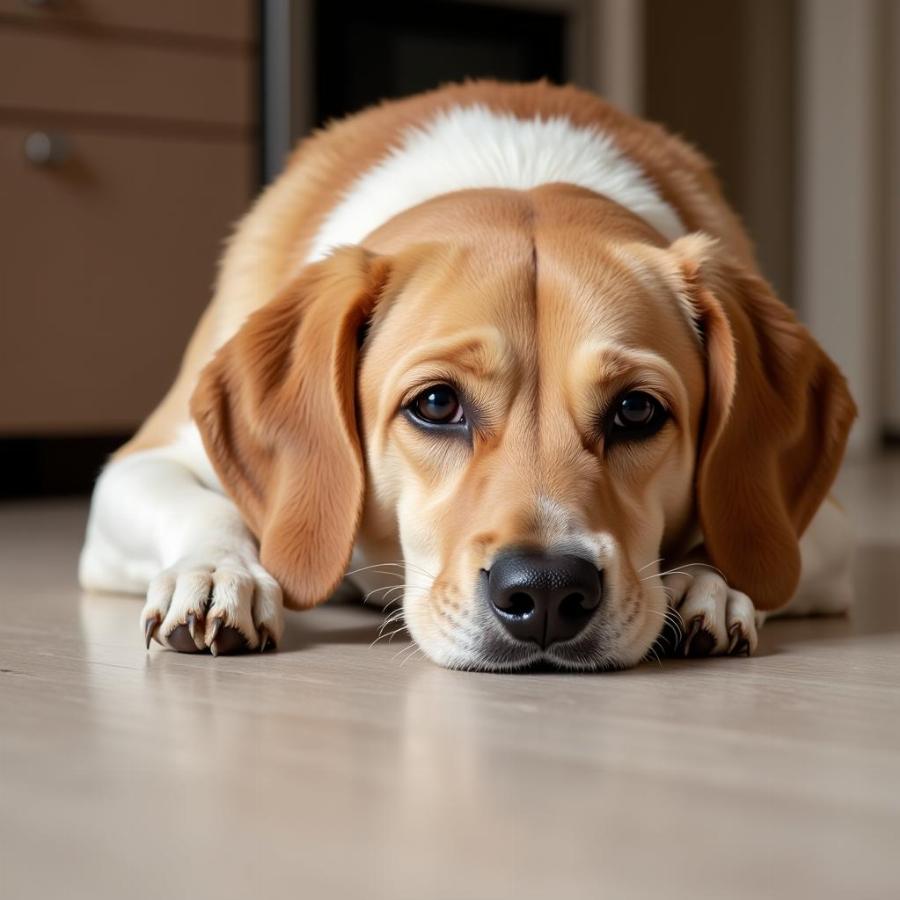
514,339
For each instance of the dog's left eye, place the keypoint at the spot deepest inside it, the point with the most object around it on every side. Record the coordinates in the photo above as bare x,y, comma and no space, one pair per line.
637,415
438,405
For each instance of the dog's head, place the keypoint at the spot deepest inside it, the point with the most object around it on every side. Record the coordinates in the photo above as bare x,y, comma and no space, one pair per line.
541,402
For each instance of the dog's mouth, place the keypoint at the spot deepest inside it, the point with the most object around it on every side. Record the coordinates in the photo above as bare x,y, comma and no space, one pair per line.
498,654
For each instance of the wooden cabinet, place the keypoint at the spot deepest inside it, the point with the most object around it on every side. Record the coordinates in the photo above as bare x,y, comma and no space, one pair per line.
108,244
89,74
107,264
224,20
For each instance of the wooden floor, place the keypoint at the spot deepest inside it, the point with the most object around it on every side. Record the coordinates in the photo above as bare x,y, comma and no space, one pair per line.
339,769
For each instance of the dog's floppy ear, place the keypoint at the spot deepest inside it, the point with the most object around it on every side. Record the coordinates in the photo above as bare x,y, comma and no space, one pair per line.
276,408
777,417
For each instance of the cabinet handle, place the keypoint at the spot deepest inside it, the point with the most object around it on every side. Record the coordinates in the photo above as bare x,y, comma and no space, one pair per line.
47,149
40,4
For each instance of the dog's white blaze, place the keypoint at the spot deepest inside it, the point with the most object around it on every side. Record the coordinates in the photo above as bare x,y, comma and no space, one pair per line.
474,147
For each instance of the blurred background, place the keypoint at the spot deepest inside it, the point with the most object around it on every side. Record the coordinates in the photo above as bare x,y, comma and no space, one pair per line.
133,133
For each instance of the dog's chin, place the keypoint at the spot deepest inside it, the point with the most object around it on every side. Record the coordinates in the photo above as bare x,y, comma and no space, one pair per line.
504,656
601,648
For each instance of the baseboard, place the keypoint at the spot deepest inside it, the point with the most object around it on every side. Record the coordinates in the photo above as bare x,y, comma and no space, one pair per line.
53,466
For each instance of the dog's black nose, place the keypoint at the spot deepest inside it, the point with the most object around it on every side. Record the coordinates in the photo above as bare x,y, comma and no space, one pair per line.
543,598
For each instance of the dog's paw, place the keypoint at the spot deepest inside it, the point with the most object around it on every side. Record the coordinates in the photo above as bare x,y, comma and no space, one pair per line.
226,606
715,619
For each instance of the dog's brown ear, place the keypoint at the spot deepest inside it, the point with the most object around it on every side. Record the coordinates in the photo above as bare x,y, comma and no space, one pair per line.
276,410
777,417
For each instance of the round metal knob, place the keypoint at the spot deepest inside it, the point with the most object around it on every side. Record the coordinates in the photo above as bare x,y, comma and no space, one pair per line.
45,148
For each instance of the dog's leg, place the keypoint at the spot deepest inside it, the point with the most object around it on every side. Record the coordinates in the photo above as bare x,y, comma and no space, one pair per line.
157,526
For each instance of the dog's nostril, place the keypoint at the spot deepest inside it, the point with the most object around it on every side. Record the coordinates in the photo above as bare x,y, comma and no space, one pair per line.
518,604
572,606
577,604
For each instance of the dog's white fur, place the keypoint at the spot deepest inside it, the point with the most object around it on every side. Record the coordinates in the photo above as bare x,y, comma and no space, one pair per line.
160,522
474,147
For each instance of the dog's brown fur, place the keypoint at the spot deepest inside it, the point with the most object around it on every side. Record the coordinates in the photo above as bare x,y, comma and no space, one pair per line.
542,304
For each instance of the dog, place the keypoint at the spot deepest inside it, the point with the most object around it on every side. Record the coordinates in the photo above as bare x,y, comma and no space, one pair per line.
513,340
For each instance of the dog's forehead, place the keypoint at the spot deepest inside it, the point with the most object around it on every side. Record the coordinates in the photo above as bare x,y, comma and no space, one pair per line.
592,290
557,293
549,269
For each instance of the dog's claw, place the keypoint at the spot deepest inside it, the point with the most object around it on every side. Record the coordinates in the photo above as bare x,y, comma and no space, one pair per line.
192,626
150,627
216,628
686,647
263,639
738,644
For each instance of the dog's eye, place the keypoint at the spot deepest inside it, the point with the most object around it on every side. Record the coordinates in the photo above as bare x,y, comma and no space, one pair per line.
438,405
637,415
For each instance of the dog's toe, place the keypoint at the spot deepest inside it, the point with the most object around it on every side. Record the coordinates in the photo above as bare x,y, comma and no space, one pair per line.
703,614
740,615
716,620
224,607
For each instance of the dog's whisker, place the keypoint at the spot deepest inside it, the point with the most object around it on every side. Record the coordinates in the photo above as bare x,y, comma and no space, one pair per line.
388,636
376,590
396,616
653,563
655,612
417,568
679,569
390,588
374,567
667,572
704,566
404,590
382,566
417,651
413,646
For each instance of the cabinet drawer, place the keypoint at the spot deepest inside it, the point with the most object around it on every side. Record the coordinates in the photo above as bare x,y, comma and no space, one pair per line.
108,261
49,71
233,20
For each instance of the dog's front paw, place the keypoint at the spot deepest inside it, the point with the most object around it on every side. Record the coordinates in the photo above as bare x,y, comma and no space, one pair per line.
715,619
224,605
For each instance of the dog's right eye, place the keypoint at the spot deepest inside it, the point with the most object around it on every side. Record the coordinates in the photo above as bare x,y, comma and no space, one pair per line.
438,405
